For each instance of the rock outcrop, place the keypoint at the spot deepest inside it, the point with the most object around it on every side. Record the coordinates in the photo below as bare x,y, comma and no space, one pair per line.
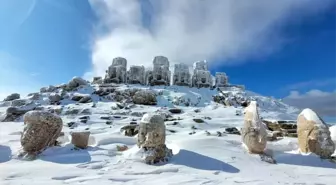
13,96
41,130
75,82
254,134
314,134
152,138
144,97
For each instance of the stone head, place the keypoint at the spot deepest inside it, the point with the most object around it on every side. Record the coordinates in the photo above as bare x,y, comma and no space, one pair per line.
152,131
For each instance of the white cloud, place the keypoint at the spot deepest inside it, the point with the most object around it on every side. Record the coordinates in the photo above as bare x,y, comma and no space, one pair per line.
186,31
313,84
322,102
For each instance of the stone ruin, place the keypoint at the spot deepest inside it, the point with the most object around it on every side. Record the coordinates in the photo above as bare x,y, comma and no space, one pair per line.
221,79
201,77
160,75
136,75
181,75
152,138
116,72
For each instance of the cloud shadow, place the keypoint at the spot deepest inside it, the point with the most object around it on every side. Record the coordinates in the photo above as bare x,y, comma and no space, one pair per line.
5,154
201,162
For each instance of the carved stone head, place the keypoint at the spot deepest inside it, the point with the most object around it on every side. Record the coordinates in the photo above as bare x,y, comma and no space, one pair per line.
152,131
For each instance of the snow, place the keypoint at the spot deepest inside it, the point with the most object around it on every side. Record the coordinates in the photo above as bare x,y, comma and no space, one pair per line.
310,115
198,158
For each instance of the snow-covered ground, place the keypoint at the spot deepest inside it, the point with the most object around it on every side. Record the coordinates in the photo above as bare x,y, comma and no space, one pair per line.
198,158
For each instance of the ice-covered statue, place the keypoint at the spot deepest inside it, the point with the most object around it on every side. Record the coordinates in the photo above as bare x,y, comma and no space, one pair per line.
152,138
136,75
116,73
181,75
221,79
201,77
160,74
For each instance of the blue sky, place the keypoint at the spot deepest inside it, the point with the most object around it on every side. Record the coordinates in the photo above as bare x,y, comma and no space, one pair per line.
280,53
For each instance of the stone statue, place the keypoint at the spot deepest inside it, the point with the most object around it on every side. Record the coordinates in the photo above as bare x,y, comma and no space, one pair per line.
181,75
116,73
221,79
136,75
201,77
152,138
160,74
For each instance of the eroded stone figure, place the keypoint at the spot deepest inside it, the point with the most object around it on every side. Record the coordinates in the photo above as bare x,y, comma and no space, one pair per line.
254,134
181,75
314,135
136,75
160,75
221,79
152,138
41,130
116,72
201,77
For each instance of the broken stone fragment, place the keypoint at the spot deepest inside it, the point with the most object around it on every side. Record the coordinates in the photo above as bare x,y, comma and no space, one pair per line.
80,139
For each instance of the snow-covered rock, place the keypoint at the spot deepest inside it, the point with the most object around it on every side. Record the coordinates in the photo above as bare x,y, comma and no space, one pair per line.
13,96
314,135
76,82
145,97
41,131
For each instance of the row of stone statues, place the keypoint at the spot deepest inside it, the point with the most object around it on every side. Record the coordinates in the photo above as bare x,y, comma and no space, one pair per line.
43,128
161,75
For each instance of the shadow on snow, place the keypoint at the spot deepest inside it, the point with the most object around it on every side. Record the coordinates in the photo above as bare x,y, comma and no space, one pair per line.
5,154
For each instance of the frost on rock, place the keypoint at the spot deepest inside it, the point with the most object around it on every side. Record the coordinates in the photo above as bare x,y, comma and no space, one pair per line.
76,82
136,75
181,76
50,88
116,72
41,130
221,79
145,97
254,134
160,74
201,77
152,138
97,80
314,135
12,97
